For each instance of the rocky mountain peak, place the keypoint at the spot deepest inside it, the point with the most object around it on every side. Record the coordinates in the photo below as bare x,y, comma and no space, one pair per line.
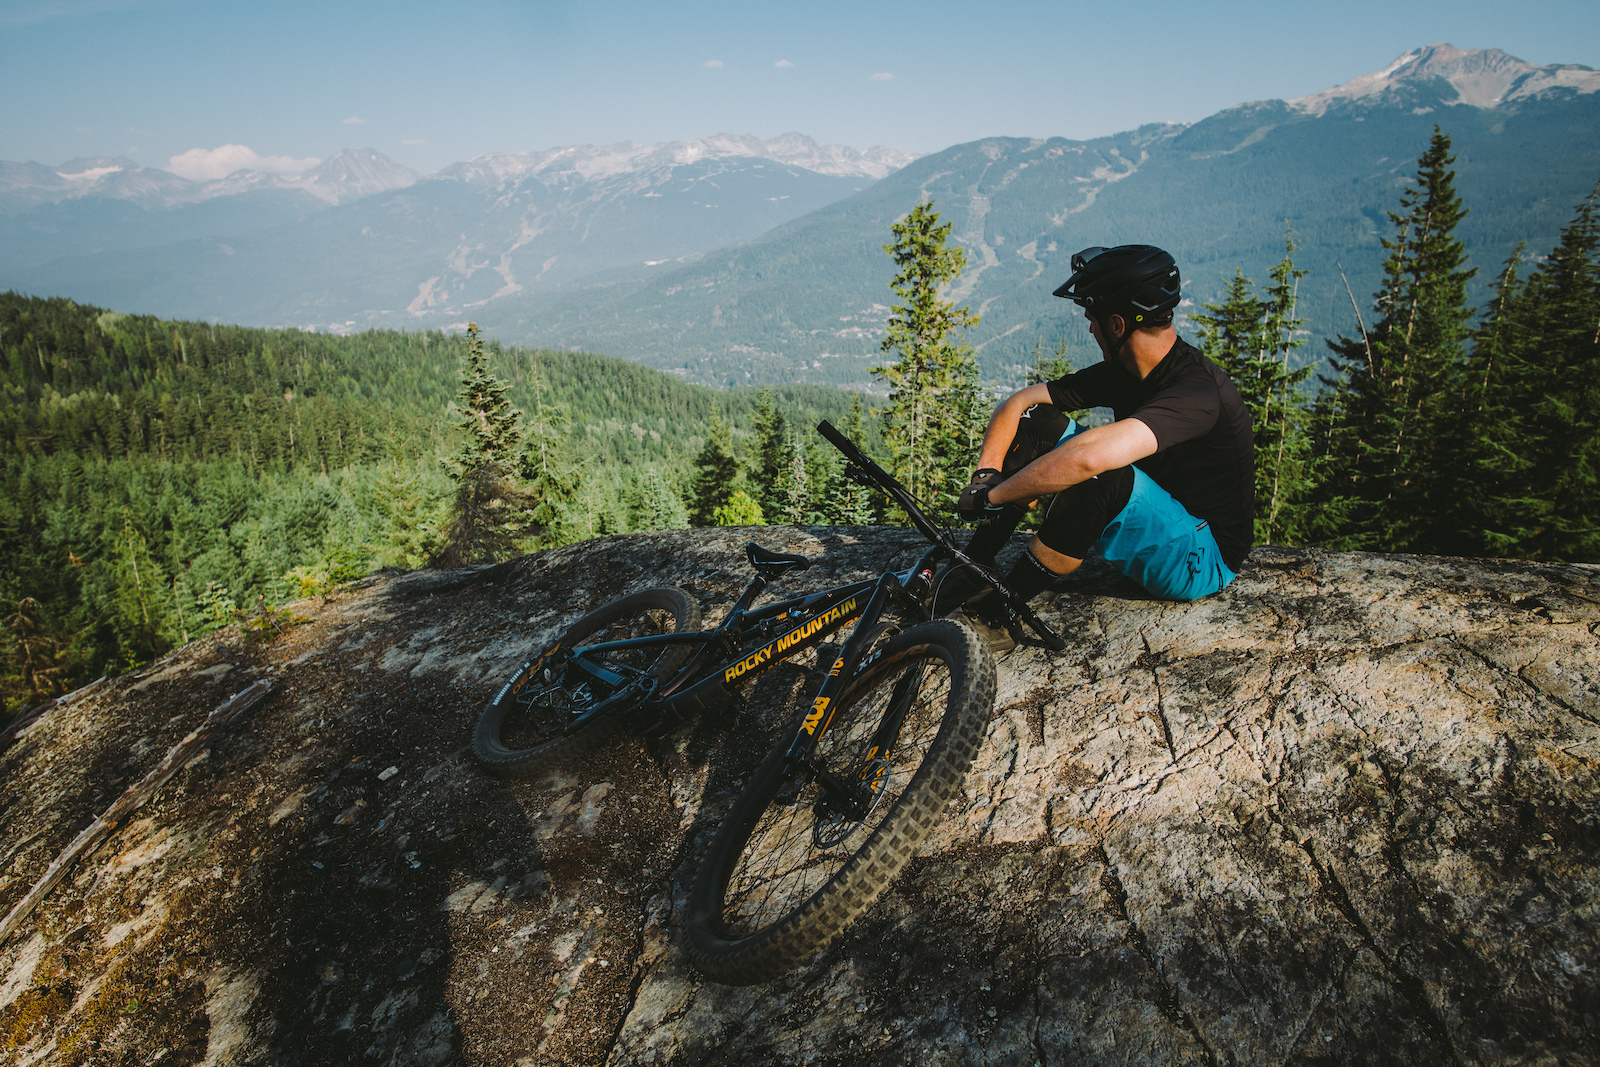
1344,811
1484,77
352,173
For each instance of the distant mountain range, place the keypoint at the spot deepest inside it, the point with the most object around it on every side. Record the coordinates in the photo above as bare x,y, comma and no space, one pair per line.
808,301
360,239
731,259
347,175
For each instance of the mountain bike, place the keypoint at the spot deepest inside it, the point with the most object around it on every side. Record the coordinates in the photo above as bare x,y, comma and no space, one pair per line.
856,781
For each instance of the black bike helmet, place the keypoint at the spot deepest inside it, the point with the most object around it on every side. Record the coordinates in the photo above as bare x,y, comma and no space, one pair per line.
1138,282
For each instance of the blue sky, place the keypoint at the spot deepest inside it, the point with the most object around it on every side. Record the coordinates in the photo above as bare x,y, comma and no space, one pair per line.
432,83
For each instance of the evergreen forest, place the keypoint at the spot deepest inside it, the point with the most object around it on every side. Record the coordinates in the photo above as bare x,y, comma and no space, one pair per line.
165,478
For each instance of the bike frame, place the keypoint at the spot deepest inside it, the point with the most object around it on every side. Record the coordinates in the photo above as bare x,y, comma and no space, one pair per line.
754,641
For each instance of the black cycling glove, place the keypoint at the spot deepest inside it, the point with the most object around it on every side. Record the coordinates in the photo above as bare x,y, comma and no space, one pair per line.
973,503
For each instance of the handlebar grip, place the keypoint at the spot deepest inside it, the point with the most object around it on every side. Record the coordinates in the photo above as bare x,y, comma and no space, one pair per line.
838,440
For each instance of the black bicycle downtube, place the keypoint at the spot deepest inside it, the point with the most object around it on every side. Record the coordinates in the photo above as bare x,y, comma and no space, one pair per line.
820,716
711,691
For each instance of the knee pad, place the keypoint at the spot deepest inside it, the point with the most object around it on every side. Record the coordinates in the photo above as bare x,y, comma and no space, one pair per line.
1038,432
1080,513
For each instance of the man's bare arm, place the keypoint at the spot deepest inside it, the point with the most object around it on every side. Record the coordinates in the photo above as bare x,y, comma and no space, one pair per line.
1080,458
1003,424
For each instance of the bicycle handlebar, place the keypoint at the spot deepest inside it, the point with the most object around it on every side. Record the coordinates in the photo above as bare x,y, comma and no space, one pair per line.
925,526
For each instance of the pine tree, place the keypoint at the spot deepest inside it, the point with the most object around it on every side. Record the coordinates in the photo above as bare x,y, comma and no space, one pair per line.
1483,504
1536,444
768,456
1048,365
1231,334
1380,474
715,470
742,509
846,502
40,659
1251,340
551,482
653,504
933,379
492,512
796,487
1282,438
139,600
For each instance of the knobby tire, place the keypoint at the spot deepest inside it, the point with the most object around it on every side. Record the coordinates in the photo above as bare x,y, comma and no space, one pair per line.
770,894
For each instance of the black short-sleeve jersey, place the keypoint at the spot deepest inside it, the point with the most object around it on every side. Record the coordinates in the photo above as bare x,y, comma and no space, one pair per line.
1205,447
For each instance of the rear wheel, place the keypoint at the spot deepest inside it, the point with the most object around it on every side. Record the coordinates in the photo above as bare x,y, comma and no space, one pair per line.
529,726
796,860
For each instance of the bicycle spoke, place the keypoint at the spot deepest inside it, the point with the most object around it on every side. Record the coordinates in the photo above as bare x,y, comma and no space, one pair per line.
784,863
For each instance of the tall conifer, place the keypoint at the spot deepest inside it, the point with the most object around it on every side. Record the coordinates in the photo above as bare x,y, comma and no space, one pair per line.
933,380
1380,471
1252,340
551,482
715,470
1539,356
769,457
492,512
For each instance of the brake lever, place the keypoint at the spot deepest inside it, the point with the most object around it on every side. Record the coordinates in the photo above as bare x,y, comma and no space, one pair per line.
859,476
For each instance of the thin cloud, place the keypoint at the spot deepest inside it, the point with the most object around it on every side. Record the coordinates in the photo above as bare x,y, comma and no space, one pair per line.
783,63
883,76
714,63
208,164
355,120
412,140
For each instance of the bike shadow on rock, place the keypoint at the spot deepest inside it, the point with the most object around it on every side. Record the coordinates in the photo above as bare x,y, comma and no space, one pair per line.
457,917
431,913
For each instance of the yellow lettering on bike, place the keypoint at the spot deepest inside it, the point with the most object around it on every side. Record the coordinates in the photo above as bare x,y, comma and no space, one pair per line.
749,663
816,715
789,640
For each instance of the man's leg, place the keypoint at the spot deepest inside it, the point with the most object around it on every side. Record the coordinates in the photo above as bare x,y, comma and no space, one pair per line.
1041,429
1071,527
1158,544
1135,524
1077,517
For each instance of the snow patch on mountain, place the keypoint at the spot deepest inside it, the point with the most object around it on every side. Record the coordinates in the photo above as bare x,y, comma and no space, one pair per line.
1485,78
347,175
595,162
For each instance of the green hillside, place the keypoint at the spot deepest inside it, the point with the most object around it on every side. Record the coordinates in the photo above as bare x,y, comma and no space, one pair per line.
159,474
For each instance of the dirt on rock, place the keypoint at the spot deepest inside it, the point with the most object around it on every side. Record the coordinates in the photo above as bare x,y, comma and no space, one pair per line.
1343,812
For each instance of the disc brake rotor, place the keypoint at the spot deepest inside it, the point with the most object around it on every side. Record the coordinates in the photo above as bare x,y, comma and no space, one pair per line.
834,826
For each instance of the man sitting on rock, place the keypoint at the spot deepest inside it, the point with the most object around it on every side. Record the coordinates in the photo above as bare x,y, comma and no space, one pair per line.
1166,493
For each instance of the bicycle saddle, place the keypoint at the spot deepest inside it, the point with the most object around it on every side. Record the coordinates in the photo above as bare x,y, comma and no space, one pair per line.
770,564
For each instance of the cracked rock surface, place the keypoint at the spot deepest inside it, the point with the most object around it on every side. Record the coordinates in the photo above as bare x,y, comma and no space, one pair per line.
1342,812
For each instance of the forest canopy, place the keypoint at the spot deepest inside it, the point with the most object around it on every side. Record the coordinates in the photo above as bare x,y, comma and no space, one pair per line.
162,476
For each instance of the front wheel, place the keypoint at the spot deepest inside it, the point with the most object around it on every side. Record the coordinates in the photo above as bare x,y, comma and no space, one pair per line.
792,865
536,720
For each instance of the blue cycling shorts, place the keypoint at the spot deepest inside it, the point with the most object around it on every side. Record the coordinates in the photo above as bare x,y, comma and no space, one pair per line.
1158,544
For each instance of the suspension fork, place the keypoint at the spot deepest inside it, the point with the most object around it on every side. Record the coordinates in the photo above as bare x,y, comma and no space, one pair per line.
852,796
